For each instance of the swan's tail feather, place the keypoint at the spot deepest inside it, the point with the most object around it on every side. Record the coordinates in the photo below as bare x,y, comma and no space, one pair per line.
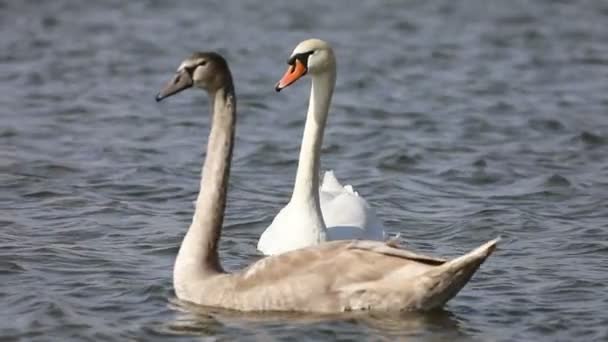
330,183
443,282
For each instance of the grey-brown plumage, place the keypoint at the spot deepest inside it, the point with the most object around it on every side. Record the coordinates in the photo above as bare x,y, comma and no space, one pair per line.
331,277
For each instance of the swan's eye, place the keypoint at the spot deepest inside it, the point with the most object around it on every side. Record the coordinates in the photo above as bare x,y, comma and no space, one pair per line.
302,57
190,69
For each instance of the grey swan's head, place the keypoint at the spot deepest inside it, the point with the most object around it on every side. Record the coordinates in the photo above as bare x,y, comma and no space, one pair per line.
205,70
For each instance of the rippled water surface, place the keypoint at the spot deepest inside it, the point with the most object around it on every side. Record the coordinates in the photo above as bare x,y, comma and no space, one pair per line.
458,120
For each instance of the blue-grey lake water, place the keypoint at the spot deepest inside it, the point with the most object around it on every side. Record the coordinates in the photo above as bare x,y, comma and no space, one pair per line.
458,120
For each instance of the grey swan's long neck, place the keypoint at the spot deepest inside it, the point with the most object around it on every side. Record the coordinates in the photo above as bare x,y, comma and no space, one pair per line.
198,255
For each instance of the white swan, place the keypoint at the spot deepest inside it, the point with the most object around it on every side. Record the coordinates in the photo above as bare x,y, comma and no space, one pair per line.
330,212
332,277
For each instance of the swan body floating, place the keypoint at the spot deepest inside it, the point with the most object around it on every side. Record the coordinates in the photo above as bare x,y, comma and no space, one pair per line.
316,214
332,277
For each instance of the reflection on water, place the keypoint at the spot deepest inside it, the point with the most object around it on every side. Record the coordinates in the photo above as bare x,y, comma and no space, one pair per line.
202,321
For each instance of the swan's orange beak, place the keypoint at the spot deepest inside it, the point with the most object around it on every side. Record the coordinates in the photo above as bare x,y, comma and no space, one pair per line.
293,73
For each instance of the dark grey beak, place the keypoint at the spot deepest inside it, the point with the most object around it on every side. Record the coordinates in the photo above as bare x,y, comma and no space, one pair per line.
181,81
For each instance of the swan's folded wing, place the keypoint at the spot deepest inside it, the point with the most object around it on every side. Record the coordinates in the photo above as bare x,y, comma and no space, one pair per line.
346,253
348,275
388,248
298,278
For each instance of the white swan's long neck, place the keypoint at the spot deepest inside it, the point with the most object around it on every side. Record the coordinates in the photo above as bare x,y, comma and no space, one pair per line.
198,256
306,188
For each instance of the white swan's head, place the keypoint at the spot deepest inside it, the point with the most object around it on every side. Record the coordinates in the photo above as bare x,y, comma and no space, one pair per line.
205,70
312,56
